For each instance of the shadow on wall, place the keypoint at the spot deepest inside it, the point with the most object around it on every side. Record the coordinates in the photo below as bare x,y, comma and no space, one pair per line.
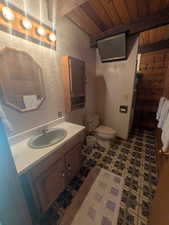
101,96
129,45
77,116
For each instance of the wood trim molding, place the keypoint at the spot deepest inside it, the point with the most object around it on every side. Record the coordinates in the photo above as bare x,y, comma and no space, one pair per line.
149,22
65,7
15,27
72,210
65,73
154,46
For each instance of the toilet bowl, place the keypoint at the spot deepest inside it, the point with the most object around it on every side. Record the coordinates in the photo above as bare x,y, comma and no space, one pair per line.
104,135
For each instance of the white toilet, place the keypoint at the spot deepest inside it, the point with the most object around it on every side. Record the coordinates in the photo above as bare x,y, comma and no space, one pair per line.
104,135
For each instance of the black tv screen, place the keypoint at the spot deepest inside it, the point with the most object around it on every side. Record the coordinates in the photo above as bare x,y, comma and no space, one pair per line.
113,48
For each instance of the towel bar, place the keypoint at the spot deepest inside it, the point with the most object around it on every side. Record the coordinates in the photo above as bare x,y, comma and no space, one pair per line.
163,153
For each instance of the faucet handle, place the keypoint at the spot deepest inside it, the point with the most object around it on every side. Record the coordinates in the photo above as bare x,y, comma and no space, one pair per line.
45,130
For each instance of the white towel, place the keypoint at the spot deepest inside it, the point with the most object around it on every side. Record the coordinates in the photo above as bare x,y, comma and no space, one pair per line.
160,105
165,135
30,101
163,114
4,119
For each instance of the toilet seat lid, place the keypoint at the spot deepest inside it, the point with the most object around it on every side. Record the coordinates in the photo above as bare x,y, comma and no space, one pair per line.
105,130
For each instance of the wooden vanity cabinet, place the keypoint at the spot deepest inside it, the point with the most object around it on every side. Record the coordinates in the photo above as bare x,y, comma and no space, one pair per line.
45,181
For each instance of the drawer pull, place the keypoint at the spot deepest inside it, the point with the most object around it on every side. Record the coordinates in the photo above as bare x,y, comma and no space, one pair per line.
69,167
63,174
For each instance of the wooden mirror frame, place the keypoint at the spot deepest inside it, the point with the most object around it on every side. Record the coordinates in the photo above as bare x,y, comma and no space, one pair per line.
3,90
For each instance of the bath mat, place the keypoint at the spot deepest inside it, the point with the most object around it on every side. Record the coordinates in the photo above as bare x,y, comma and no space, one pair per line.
102,203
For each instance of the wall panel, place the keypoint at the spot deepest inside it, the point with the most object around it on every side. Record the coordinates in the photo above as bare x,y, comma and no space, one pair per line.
150,88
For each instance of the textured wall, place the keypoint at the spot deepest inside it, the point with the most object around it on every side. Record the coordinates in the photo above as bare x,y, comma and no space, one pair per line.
70,41
73,42
115,82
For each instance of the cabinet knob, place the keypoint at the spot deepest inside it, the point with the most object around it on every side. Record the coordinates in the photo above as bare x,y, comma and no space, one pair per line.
63,174
68,167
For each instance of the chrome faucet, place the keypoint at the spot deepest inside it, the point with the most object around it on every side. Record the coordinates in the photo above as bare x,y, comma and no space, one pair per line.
45,130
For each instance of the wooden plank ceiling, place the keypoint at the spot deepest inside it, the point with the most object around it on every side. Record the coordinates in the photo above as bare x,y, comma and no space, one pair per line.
154,35
97,16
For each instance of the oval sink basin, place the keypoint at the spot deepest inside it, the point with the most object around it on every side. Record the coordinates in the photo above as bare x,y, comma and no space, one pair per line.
51,137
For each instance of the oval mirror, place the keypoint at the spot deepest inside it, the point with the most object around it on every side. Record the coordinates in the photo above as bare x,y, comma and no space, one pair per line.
21,80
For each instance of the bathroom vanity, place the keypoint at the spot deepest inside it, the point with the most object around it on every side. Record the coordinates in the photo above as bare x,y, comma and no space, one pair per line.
44,173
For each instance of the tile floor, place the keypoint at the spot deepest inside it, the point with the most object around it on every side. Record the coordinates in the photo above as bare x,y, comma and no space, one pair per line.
133,159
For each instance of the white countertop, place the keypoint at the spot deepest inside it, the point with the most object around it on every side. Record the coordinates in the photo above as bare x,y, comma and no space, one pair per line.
26,157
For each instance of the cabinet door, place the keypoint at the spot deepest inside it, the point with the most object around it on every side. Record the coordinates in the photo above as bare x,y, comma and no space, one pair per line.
50,184
73,162
73,76
77,77
77,83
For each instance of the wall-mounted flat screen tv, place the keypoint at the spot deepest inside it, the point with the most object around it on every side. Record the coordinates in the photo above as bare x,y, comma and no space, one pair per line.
113,48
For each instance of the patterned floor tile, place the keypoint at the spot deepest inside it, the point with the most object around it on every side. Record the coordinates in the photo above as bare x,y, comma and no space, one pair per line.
131,218
144,208
142,221
135,160
133,202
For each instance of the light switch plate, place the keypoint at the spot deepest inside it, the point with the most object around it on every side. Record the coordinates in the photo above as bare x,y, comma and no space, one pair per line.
123,108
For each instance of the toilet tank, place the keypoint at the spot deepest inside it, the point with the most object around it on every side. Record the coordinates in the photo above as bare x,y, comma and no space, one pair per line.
92,122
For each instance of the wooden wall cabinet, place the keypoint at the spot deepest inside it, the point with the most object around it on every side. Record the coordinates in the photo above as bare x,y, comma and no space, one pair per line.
73,76
43,183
